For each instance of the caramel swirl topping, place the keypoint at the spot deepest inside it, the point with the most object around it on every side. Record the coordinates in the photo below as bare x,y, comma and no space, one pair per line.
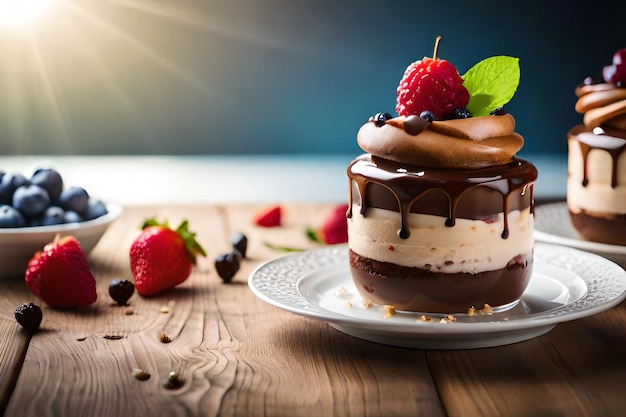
602,105
474,142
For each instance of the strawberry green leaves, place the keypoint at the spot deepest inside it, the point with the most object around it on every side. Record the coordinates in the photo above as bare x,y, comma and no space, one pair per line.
491,83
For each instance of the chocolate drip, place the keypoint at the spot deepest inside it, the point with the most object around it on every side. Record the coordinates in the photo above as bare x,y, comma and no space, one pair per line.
460,193
587,145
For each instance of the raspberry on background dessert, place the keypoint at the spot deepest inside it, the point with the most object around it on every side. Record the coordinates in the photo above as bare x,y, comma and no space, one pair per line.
596,181
441,211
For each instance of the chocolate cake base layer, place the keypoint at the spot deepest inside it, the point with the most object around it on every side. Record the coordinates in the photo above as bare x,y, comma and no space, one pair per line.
610,229
416,289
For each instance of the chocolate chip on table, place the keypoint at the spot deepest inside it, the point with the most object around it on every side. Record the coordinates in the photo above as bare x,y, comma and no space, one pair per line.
29,316
239,241
121,290
227,265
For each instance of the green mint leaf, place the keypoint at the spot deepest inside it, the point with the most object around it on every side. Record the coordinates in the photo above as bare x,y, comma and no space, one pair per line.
491,83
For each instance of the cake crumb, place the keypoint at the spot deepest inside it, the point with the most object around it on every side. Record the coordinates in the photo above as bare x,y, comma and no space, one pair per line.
448,319
342,292
487,310
424,317
389,311
368,303
349,305
164,310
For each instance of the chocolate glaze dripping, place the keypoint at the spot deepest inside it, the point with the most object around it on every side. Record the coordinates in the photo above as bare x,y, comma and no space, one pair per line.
389,185
585,149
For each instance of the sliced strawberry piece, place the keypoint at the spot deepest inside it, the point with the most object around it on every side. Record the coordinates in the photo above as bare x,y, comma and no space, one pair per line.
335,227
60,275
270,217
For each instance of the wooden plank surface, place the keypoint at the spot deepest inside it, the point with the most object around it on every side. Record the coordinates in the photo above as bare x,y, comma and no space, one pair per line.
578,369
235,355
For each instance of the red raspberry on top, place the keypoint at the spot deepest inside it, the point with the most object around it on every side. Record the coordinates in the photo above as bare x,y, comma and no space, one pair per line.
433,85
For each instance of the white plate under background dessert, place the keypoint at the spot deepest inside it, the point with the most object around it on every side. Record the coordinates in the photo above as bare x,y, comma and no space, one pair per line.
567,284
552,225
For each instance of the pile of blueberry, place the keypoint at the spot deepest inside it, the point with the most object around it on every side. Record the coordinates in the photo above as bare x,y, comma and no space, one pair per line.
41,200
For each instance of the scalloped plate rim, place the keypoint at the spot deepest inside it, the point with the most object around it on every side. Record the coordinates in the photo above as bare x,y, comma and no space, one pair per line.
530,325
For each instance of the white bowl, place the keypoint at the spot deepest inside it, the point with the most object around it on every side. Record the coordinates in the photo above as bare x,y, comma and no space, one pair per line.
18,245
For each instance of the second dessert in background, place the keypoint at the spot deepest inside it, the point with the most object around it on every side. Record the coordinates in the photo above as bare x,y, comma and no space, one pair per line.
596,180
441,211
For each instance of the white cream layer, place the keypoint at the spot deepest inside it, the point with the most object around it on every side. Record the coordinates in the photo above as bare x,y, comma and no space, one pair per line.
598,196
471,246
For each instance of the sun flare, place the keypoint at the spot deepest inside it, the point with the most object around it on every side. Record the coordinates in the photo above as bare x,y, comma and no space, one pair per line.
20,13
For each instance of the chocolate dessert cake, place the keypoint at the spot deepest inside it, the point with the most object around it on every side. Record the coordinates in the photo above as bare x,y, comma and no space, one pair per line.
596,183
441,211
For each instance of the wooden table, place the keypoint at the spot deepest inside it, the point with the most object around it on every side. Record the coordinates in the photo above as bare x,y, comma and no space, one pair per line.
238,356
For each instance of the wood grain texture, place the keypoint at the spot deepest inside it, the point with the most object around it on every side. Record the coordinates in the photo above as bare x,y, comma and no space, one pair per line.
578,369
235,355
14,340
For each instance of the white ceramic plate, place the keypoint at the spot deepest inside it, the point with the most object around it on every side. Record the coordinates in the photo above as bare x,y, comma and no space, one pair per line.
18,245
553,225
567,284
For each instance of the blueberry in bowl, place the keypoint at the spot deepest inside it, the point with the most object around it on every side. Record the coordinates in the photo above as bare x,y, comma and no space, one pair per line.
35,209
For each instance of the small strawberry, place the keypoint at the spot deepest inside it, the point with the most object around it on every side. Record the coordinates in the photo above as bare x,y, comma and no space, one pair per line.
269,217
60,275
334,229
162,258
432,85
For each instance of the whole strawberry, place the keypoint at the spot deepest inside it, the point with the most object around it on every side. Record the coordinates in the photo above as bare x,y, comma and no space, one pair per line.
162,258
432,85
60,275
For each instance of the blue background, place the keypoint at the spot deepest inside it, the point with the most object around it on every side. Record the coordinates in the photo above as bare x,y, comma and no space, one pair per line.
278,76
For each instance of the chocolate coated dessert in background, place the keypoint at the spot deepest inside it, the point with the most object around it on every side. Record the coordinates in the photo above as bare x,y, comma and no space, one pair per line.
596,181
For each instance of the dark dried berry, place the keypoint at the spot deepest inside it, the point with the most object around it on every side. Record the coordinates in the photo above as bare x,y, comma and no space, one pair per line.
380,118
499,111
29,316
461,113
428,115
240,243
227,265
121,290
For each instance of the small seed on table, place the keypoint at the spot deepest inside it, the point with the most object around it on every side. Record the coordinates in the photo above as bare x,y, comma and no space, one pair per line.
141,374
163,338
173,381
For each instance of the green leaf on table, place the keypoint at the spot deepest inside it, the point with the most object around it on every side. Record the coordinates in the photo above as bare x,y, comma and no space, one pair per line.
282,248
313,235
491,83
